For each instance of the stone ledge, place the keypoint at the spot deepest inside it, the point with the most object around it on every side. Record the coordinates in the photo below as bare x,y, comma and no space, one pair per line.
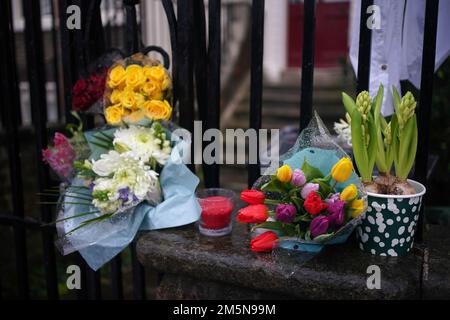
338,272
436,273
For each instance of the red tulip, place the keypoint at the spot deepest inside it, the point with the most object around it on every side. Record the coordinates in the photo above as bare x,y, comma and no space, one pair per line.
264,242
256,213
253,196
314,204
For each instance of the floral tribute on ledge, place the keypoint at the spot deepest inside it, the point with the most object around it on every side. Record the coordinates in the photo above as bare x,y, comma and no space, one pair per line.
126,175
312,200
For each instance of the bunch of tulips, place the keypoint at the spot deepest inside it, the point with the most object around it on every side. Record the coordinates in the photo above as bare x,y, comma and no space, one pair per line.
307,206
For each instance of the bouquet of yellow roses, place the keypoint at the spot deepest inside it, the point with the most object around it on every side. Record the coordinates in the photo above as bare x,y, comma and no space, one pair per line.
137,88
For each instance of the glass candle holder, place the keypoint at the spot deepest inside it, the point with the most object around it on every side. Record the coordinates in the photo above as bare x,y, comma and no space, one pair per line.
217,206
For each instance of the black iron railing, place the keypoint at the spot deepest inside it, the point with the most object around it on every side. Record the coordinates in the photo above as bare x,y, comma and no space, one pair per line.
196,75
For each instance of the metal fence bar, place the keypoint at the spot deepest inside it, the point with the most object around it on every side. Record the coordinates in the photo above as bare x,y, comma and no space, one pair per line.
131,34
184,58
256,79
116,278
213,89
200,59
365,41
425,100
309,27
138,275
10,105
37,80
171,19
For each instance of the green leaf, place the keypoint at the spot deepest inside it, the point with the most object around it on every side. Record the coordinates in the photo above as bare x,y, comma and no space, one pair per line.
308,235
275,185
359,147
310,171
298,202
324,237
349,103
272,225
324,186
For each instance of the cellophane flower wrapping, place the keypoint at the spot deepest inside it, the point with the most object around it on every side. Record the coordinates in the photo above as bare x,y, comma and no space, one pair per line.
99,242
316,146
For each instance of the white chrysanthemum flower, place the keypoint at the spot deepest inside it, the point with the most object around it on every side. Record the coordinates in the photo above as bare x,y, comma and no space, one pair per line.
129,183
142,142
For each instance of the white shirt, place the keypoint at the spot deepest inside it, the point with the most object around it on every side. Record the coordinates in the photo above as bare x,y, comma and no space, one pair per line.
396,52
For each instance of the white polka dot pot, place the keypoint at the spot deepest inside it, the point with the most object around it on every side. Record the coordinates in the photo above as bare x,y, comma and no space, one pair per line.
387,227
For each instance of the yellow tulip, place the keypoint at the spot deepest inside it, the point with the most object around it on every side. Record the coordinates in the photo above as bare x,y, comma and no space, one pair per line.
358,207
284,173
349,193
342,170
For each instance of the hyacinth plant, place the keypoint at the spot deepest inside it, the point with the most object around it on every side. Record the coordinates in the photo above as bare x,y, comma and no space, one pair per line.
375,140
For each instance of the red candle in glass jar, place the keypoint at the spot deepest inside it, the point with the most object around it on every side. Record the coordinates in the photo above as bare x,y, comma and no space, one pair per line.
217,206
216,212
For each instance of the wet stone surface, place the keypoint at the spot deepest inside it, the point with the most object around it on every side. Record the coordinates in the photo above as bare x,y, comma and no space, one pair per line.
436,273
225,268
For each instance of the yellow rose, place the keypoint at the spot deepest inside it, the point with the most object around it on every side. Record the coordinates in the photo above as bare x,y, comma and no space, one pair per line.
140,100
128,100
157,109
152,90
358,207
166,83
115,96
156,73
116,77
342,170
284,173
134,76
349,193
113,114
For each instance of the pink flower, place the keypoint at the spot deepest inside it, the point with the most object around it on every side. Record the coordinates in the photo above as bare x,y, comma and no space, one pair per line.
298,178
61,156
308,188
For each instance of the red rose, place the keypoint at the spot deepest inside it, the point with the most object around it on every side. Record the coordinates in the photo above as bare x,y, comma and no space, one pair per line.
264,242
80,86
252,196
256,213
314,204
81,102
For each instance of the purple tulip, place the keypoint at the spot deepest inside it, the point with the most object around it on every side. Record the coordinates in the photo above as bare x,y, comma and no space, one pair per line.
333,198
336,212
319,225
285,213
298,178
308,188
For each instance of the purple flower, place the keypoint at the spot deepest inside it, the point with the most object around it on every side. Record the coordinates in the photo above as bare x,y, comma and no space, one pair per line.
333,198
319,225
298,178
285,213
308,188
336,212
123,194
91,186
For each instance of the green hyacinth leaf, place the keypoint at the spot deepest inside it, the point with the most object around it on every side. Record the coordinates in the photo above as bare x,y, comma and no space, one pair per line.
349,103
359,147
